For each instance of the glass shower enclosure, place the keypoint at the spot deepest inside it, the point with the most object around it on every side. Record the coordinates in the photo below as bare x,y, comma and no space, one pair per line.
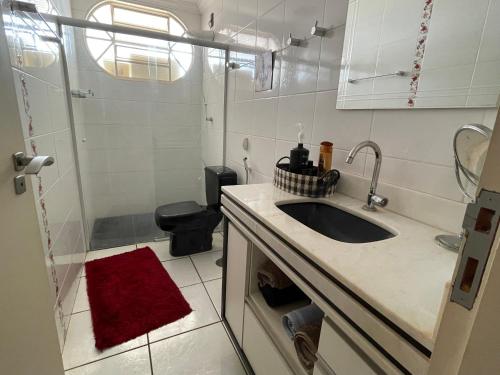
144,129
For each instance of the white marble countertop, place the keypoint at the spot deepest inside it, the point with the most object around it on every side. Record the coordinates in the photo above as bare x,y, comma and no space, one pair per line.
403,277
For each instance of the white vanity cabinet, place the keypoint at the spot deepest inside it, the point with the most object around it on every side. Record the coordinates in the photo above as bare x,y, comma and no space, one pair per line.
257,327
236,280
343,348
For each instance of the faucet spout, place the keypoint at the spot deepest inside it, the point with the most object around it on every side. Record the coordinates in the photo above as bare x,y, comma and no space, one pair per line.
373,199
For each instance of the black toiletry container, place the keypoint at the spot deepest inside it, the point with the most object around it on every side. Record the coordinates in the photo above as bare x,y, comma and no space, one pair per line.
298,158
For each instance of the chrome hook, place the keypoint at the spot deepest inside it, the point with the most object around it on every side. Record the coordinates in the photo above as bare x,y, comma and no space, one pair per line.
319,31
295,42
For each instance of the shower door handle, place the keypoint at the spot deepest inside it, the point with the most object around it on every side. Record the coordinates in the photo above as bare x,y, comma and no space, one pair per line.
33,164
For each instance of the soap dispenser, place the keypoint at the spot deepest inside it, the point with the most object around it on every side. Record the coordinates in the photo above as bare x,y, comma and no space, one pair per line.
299,155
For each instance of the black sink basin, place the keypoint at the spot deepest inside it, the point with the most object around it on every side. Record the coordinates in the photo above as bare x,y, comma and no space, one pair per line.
335,223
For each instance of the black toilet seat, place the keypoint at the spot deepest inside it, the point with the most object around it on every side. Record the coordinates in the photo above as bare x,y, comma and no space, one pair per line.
178,210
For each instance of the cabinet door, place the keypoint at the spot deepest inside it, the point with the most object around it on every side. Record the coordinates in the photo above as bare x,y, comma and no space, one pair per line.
341,355
260,350
236,272
318,370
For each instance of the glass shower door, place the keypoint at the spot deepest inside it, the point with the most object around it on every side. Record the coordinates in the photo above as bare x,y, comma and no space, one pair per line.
143,141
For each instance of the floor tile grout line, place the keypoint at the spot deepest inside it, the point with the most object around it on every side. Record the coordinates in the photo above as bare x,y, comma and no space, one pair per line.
180,287
110,356
71,314
142,346
147,334
206,291
234,346
186,286
181,333
219,315
208,280
149,352
79,312
204,252
173,260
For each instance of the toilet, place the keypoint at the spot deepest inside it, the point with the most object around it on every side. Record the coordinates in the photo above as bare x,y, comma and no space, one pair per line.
191,225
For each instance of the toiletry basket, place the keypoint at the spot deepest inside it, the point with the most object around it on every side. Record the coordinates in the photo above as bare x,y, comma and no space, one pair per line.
305,185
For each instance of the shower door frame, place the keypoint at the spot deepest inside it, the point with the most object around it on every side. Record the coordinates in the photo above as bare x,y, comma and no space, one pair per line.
61,21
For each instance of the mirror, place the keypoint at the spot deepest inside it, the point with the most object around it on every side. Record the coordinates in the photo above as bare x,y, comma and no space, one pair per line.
470,146
420,54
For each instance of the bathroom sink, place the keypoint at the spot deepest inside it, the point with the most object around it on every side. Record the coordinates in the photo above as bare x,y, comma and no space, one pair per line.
335,223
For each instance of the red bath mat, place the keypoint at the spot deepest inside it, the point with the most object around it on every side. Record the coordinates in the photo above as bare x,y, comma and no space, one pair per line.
131,294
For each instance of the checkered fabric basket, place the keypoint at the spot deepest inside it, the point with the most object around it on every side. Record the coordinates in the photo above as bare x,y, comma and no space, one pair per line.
307,186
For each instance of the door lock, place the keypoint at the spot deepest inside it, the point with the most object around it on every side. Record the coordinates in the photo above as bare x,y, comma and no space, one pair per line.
20,184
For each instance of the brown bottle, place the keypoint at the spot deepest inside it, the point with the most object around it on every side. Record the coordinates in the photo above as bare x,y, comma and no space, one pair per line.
325,157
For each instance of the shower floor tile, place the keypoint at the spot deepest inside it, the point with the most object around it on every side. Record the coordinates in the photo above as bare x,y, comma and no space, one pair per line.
202,327
124,230
145,228
109,252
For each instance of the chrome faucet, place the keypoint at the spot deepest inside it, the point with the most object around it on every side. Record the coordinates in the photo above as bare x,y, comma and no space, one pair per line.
373,199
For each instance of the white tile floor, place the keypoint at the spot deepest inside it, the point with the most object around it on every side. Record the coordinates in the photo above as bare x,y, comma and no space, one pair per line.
172,349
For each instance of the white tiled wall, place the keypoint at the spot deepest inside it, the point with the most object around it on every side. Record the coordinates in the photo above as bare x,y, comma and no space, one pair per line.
142,138
470,38
417,172
44,115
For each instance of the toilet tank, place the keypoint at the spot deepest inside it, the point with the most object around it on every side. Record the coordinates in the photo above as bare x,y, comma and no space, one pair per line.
215,178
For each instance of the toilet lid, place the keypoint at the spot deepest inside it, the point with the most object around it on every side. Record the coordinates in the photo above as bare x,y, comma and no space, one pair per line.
179,209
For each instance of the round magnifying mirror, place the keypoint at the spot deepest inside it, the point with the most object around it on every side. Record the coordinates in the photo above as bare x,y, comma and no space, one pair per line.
470,146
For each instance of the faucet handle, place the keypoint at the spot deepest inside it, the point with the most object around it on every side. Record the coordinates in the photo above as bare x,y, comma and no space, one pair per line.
379,200
375,200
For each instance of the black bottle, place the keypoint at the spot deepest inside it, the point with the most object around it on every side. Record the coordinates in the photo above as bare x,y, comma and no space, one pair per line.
298,158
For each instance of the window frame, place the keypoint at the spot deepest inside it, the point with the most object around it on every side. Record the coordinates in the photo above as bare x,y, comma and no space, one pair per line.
114,43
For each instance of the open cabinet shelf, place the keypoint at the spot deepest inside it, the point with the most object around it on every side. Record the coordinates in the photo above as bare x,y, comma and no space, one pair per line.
270,318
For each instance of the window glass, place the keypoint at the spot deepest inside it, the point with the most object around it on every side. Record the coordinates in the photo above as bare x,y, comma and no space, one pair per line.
129,56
